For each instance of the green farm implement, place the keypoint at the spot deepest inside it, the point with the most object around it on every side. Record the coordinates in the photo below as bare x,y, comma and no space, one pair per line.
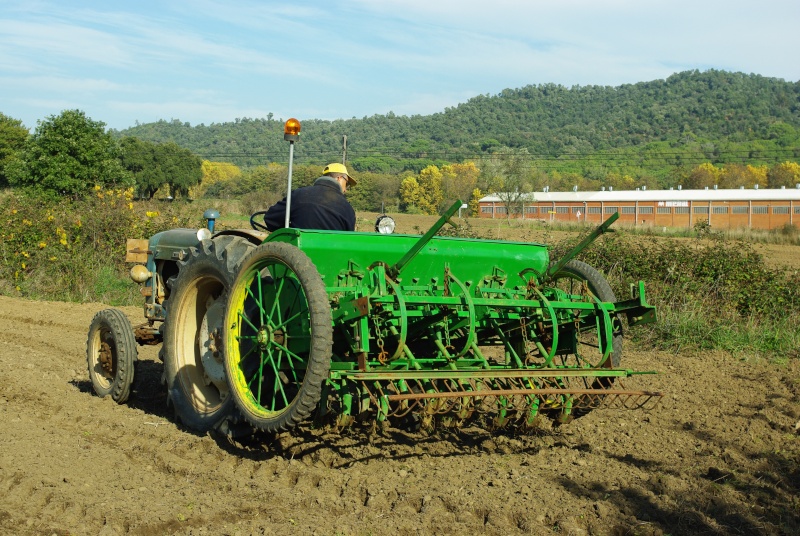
435,329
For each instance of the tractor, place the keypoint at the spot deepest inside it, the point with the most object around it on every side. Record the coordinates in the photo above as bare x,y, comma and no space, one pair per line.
271,330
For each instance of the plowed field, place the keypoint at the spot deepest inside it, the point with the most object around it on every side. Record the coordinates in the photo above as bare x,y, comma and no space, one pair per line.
719,455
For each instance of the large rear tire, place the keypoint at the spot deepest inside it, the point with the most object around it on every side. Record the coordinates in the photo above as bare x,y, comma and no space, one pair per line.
111,353
192,349
278,337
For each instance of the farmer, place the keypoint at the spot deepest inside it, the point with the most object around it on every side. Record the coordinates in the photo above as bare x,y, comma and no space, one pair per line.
319,206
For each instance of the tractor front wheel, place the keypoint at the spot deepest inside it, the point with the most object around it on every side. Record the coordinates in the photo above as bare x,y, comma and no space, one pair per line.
278,337
111,353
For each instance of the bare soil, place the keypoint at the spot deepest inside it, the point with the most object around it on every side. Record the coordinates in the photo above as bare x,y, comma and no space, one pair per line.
718,455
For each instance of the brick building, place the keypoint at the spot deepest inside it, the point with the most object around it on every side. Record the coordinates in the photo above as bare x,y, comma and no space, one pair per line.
750,208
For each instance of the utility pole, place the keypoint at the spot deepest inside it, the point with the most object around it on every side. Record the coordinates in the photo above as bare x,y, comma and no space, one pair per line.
344,149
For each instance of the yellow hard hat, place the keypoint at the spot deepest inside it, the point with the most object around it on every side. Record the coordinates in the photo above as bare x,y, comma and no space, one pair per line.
338,168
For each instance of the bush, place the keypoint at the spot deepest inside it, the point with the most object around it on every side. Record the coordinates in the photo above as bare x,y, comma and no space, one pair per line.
75,250
714,293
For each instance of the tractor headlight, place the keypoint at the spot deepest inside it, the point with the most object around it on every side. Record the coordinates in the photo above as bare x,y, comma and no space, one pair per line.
384,224
203,234
140,273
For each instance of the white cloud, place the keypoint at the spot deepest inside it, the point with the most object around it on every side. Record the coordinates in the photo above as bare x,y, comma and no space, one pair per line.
209,60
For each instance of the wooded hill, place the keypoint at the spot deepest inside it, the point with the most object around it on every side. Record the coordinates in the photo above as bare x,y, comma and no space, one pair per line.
645,128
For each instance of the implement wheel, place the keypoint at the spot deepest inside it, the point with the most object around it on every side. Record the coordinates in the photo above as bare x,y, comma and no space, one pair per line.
111,354
570,279
192,350
278,337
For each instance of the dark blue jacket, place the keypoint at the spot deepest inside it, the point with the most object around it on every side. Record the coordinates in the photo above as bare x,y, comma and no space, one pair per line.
319,206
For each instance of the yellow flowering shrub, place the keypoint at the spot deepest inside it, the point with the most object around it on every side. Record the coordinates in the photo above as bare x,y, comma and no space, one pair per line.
55,250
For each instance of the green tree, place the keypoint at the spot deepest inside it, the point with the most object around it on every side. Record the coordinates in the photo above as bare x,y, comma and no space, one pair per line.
508,173
154,165
271,178
182,168
12,140
374,191
139,158
68,154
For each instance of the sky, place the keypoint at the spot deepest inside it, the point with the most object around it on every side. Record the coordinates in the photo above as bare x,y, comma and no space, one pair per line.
213,61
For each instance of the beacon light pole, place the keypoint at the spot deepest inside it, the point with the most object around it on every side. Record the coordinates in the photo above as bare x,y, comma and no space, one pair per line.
291,133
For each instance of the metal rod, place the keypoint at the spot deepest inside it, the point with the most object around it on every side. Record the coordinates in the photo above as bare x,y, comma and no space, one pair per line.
450,374
512,392
289,186
602,228
394,271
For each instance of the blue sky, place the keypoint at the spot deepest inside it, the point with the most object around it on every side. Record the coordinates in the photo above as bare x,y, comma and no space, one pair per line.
211,61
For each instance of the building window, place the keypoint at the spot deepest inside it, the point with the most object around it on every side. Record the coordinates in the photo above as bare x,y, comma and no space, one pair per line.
629,210
760,210
797,210
664,210
501,210
780,210
719,210
701,210
487,210
575,210
740,210
612,210
596,210
530,210
645,210
562,210
681,210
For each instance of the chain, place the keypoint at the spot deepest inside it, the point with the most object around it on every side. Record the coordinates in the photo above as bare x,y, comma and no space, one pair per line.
523,324
382,354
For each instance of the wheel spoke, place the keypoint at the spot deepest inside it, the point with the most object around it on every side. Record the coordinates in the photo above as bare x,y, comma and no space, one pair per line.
259,375
286,322
278,385
247,320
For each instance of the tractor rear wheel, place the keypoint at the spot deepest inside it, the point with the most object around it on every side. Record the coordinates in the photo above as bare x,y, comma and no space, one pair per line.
192,349
111,353
278,337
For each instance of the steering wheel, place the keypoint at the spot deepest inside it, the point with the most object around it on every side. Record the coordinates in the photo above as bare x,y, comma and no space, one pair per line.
256,225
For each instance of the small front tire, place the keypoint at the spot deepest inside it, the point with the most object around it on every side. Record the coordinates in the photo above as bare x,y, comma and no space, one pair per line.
111,354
